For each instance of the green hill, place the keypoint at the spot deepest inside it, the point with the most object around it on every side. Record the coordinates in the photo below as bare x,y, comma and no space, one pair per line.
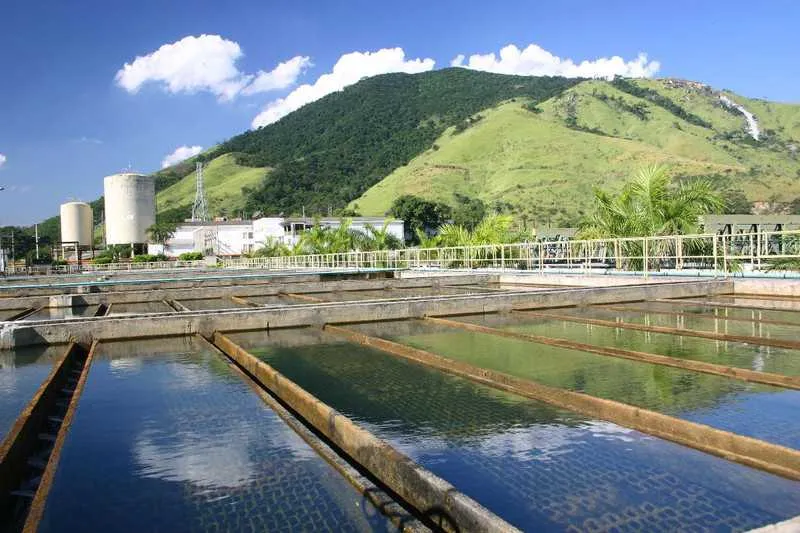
545,160
223,180
534,146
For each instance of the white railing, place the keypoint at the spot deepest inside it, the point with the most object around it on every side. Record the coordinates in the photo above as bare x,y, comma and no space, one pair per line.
720,254
110,267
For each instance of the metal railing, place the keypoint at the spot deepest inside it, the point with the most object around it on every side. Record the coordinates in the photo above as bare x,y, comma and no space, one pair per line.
714,253
720,254
110,267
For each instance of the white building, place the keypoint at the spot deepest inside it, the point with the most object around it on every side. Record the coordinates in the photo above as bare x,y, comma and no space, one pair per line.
239,237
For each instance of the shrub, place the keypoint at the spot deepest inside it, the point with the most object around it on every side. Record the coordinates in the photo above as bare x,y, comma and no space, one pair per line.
103,260
191,256
149,258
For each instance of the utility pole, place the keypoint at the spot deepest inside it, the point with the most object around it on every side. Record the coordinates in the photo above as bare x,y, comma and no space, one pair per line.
36,227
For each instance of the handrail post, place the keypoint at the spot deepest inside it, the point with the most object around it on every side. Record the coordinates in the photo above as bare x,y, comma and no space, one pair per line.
646,260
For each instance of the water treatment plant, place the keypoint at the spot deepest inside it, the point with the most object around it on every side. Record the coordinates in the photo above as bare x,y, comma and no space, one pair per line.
377,400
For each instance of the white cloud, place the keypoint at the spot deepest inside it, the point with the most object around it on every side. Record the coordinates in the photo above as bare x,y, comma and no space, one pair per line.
180,153
3,160
282,76
457,61
193,64
536,61
349,69
205,63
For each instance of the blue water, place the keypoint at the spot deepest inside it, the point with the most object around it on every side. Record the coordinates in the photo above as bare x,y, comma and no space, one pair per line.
22,372
759,411
738,354
167,438
696,322
540,468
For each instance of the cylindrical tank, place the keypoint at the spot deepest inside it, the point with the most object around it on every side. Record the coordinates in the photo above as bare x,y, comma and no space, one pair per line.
130,203
77,224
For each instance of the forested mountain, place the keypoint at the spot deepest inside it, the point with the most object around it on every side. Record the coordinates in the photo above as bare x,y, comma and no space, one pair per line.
531,146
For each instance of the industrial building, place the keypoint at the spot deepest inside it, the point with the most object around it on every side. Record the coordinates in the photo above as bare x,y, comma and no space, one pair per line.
240,237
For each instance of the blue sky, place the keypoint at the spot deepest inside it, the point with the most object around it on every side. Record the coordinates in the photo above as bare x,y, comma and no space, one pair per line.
67,119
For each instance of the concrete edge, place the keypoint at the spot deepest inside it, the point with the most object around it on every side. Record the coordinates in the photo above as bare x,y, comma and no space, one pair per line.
743,374
752,452
380,499
39,502
431,496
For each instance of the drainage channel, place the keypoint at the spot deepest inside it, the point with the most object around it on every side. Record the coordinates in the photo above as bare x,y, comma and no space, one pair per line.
31,448
539,467
167,437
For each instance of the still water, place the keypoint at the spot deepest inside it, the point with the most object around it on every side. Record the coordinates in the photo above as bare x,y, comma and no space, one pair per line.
167,438
737,354
702,309
540,468
759,411
22,371
691,321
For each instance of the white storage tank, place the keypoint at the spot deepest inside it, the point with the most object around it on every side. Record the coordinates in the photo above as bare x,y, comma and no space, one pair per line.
77,224
130,207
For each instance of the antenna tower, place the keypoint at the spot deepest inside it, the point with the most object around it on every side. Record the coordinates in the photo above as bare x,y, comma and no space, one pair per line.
200,209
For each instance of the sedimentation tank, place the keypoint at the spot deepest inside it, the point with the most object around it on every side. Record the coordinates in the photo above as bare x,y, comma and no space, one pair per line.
130,207
77,224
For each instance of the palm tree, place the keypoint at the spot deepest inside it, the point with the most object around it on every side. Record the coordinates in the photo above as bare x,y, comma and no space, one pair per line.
650,206
379,238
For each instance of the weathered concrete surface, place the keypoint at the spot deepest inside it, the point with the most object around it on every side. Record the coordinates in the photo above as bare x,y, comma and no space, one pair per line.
206,322
399,516
430,495
216,290
40,498
767,287
746,450
787,526
767,378
752,303
167,279
22,439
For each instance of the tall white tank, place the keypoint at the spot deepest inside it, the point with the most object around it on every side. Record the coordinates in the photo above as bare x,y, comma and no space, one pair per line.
77,224
130,203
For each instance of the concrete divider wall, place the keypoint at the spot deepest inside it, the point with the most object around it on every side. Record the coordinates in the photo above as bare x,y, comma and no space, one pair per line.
773,458
205,323
216,290
434,498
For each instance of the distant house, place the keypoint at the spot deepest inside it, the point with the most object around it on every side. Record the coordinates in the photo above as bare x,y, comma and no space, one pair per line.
240,237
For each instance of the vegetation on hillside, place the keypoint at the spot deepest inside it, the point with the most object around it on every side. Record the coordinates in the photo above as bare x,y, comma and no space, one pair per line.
329,152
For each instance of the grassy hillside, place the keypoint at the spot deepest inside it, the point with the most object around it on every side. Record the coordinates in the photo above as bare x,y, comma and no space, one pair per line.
545,160
536,146
224,180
